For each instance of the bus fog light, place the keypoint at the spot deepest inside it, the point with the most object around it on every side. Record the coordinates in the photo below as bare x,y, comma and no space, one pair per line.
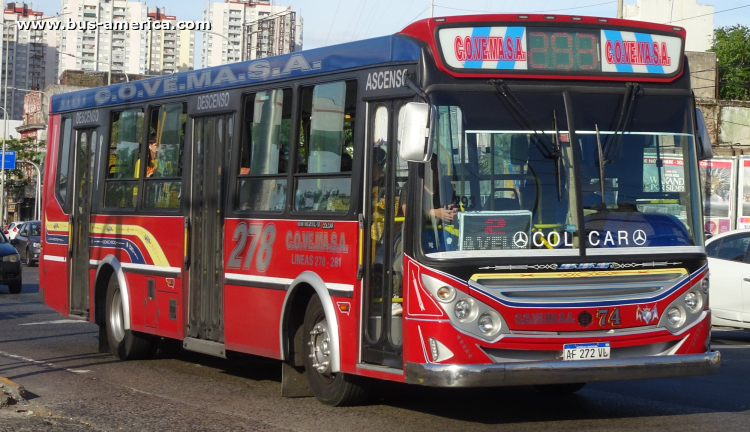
489,323
446,294
674,315
464,310
692,301
434,349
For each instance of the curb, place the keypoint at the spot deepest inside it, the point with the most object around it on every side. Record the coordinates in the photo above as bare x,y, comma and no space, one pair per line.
10,390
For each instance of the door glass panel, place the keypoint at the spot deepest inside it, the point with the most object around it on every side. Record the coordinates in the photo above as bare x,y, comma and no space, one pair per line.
400,170
378,186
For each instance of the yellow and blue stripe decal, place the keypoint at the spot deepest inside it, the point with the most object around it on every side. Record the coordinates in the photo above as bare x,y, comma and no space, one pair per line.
60,227
112,236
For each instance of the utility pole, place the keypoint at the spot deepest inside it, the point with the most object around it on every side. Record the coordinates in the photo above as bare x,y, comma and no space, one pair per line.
432,8
5,128
619,9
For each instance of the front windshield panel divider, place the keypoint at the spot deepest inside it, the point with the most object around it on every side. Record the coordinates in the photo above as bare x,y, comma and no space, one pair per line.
576,169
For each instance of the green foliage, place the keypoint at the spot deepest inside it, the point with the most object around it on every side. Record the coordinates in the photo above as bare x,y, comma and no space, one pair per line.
732,48
28,150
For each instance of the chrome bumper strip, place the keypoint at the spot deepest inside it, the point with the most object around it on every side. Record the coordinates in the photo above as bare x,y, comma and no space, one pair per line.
561,372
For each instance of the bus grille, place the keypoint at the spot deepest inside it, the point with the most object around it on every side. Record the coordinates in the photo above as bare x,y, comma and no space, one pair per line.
589,288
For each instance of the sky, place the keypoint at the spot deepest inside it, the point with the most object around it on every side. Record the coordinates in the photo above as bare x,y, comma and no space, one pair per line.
329,22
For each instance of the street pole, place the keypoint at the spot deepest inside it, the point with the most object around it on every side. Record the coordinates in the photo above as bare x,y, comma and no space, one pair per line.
111,39
619,9
5,131
432,8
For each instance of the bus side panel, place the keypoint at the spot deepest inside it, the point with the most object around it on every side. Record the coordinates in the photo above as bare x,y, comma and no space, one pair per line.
262,258
53,267
252,320
146,247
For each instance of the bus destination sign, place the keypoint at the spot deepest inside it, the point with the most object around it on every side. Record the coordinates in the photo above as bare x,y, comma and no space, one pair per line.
559,50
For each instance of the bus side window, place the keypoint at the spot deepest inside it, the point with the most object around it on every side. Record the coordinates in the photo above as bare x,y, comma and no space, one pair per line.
326,146
121,184
264,151
61,185
163,176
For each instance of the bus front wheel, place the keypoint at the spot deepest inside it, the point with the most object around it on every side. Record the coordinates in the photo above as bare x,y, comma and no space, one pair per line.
124,344
337,389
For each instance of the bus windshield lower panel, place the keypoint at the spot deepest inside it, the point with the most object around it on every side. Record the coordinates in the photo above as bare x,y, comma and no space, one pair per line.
504,173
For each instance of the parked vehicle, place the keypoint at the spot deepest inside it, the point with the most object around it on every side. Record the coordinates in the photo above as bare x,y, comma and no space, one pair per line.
28,242
729,265
10,266
12,230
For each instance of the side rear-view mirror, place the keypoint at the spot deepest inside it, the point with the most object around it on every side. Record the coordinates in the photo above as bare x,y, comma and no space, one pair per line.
416,130
703,141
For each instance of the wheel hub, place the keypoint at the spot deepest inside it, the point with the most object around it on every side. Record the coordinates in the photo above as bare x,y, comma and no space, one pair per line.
320,343
116,320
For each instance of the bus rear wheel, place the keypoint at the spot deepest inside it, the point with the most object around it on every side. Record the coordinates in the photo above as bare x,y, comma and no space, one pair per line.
124,344
337,389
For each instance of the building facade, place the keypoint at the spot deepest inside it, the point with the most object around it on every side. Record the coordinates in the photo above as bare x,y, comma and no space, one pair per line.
697,19
150,52
254,28
30,57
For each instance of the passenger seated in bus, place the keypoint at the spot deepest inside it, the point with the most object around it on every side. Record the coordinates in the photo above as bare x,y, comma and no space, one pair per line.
152,151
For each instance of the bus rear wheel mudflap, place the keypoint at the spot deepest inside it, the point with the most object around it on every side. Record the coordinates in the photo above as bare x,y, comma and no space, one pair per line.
337,389
123,344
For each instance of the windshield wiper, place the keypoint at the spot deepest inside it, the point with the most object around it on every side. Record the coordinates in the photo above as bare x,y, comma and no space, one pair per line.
626,109
547,148
601,163
558,151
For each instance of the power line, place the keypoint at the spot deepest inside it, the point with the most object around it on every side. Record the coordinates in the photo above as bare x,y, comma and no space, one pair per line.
405,10
712,13
333,22
418,15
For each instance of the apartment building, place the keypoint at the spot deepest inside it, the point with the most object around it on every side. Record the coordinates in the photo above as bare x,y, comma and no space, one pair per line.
254,29
151,52
30,57
168,51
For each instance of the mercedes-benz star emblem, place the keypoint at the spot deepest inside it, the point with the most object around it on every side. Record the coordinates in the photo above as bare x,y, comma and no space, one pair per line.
520,239
639,237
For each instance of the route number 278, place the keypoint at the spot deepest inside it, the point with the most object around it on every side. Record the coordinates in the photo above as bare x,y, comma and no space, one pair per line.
261,246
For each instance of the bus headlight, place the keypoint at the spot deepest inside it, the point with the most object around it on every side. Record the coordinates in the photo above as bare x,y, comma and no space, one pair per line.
489,323
464,310
674,315
693,300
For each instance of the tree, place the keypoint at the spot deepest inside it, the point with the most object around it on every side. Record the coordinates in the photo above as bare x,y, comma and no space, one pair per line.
732,48
28,150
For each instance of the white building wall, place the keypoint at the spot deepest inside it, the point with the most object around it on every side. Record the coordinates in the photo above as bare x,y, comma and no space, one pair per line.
230,18
699,30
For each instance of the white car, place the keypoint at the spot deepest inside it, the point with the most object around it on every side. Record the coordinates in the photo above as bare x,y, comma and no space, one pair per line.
13,229
729,269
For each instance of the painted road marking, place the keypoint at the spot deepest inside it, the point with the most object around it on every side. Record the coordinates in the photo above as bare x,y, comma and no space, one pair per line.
63,321
40,363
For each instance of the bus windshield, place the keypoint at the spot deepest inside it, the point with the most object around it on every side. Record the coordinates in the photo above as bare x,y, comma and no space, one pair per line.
503,179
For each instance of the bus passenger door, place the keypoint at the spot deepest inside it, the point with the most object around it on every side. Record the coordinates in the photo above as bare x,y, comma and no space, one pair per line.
212,138
80,222
385,175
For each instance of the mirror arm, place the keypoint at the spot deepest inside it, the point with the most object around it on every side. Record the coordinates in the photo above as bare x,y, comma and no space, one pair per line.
417,89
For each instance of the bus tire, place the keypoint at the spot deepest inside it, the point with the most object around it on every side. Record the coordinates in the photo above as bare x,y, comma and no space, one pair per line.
15,287
123,344
336,389
560,389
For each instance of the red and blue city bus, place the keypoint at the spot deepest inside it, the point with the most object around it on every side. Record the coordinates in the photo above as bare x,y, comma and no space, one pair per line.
475,201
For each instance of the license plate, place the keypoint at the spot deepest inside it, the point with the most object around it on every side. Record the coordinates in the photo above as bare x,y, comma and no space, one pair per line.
587,351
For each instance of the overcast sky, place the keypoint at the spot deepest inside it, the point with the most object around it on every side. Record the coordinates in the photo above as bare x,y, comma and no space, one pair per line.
328,22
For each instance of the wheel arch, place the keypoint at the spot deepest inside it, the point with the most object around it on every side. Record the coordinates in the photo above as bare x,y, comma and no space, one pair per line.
107,267
297,297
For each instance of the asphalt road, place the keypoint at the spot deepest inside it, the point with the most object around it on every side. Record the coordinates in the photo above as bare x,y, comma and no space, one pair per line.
70,386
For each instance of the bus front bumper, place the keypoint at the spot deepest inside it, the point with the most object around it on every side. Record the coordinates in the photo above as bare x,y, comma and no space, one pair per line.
561,372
